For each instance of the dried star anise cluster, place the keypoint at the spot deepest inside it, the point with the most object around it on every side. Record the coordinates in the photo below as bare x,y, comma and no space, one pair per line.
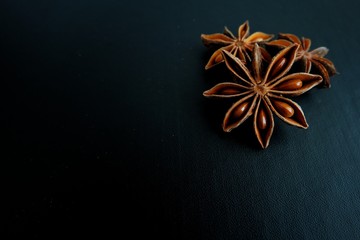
265,73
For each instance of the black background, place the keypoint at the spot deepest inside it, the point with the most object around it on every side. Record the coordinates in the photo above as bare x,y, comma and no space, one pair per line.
107,132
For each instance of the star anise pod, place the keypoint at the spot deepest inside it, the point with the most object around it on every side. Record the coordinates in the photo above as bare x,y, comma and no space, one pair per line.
315,58
260,93
238,46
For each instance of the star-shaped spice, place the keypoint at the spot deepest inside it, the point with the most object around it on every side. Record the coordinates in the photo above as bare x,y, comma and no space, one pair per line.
238,46
309,58
260,92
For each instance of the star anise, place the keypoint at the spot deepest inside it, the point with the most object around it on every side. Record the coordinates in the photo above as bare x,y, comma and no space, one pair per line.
260,93
238,46
315,57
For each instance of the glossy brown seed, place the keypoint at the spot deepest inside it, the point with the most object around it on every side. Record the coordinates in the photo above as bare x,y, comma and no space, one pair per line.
229,91
283,108
278,67
261,119
240,110
290,85
218,58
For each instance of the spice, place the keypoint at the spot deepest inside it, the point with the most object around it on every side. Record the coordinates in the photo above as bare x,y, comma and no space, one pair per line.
308,58
261,87
238,46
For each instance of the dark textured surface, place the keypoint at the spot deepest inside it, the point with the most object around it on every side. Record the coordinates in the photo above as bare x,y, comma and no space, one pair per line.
107,132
